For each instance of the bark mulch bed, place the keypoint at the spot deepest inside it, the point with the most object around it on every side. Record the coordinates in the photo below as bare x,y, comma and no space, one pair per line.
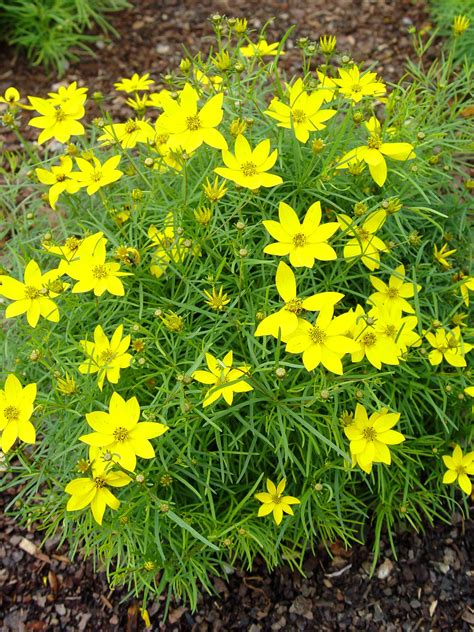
428,587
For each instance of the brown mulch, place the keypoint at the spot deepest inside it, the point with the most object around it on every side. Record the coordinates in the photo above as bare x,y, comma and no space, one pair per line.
41,589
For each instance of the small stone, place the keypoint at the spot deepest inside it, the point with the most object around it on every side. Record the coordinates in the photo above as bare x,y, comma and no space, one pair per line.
385,569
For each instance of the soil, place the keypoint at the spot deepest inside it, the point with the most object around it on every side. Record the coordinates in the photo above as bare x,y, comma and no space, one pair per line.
428,587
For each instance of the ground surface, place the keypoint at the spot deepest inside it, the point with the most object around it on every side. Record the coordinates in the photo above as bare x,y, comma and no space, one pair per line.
428,587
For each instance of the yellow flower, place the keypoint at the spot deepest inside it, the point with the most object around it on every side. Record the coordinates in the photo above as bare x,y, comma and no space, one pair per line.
240,25
355,86
394,294
248,167
66,385
190,127
466,285
120,433
16,408
215,191
127,134
391,328
57,121
302,242
325,342
11,97
327,44
222,61
68,94
59,179
213,81
369,437
106,357
135,83
363,241
448,345
261,49
225,379
285,321
217,300
203,215
93,491
373,154
274,501
31,296
460,467
93,272
95,175
460,24
303,114
442,255
373,342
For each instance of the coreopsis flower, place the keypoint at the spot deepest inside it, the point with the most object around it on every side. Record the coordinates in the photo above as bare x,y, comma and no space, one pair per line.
59,179
285,321
354,85
16,408
373,154
261,49
32,295
466,285
66,385
214,191
248,168
302,242
93,490
303,114
57,121
274,501
173,322
448,345
224,378
72,248
120,433
441,255
93,272
189,127
394,294
222,61
373,343
460,24
391,327
326,86
327,44
324,342
217,300
370,437
136,83
128,134
68,94
11,97
209,81
459,468
95,175
203,215
363,241
106,357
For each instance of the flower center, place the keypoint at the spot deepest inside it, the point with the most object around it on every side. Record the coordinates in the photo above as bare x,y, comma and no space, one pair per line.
60,177
299,240
452,343
106,356
99,272
11,413
130,127
60,115
299,116
363,234
99,482
374,142
120,434
369,433
460,469
369,339
193,123
96,175
392,292
295,306
391,331
276,500
162,139
32,292
356,88
317,335
72,243
249,169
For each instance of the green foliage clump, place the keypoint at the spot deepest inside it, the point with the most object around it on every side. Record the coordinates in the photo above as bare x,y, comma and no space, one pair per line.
145,247
51,32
